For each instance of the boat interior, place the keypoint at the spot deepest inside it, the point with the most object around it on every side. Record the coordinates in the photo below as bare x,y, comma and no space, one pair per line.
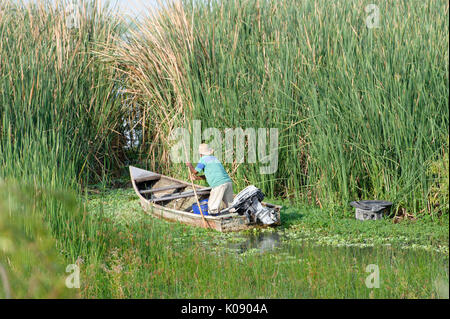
167,191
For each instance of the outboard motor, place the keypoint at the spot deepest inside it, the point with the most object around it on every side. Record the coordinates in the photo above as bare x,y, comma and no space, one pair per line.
248,203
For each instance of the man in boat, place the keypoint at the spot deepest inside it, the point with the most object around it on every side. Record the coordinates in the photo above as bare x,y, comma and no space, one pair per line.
216,176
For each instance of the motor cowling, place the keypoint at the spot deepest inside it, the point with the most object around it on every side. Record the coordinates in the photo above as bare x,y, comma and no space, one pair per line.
248,203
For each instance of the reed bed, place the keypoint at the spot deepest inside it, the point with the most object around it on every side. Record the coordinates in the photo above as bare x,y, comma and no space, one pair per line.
362,113
60,114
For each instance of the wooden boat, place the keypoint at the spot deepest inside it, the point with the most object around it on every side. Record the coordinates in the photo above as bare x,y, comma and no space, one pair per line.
172,199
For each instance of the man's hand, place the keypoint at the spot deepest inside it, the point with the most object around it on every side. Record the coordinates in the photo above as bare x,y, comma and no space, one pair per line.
194,173
191,168
197,177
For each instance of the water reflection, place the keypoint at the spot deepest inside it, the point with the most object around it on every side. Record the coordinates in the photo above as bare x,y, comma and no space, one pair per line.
263,242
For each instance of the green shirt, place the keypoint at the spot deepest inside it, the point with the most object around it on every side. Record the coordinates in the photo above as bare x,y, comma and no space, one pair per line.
214,171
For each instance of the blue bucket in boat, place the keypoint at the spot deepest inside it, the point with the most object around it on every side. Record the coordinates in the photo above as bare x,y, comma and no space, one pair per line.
203,205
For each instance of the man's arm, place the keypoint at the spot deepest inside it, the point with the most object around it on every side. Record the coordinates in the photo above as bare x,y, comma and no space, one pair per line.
194,172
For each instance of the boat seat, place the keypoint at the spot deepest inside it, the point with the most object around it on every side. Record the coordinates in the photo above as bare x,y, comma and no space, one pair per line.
204,191
165,188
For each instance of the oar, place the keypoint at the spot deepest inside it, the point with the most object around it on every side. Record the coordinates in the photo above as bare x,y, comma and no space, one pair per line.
193,187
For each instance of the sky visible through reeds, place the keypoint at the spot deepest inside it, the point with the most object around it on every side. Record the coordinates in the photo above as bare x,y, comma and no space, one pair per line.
133,8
